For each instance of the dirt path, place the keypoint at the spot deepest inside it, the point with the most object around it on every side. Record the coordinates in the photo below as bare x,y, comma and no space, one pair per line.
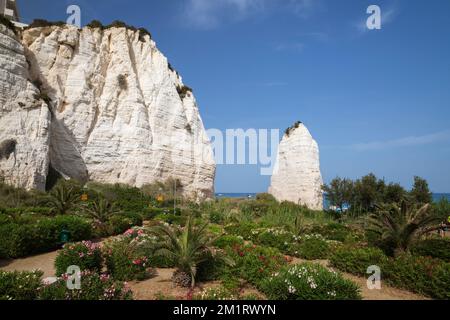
161,284
44,262
386,292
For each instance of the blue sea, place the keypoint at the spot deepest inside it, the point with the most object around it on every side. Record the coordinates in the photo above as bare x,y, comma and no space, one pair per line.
436,196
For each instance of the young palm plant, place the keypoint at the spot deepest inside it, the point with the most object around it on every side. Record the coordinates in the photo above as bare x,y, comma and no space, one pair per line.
63,198
401,226
187,247
101,210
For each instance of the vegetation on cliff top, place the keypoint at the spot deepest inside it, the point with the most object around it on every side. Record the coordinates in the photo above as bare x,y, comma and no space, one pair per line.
95,24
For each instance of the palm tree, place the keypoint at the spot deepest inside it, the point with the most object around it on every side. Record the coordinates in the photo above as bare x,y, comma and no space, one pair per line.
187,247
101,210
400,226
63,197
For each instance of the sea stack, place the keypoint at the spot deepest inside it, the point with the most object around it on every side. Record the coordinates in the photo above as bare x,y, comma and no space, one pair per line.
296,175
97,104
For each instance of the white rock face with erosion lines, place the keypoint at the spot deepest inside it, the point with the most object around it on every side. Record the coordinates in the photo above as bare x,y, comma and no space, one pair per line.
297,176
116,111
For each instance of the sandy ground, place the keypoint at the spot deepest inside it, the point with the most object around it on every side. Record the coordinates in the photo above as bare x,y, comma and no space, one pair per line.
161,283
44,262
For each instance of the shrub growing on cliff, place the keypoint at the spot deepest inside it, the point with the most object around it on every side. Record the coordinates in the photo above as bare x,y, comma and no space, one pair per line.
41,23
95,24
183,91
7,147
7,23
122,81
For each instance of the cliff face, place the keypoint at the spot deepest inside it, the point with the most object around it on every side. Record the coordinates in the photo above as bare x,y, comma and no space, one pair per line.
118,112
297,176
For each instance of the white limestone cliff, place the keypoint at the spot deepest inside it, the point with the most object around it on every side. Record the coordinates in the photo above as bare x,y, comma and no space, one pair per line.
118,111
296,175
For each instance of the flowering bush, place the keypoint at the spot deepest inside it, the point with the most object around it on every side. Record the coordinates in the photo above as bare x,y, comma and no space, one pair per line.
309,282
253,263
216,294
86,255
93,287
245,230
19,285
277,238
125,258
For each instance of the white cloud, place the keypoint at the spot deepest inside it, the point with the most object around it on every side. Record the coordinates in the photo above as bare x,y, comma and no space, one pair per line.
208,14
411,141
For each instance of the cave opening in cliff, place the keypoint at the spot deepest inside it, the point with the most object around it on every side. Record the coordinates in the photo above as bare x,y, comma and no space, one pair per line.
53,177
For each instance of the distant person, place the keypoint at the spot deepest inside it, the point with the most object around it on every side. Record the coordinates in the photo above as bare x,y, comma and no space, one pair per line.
443,229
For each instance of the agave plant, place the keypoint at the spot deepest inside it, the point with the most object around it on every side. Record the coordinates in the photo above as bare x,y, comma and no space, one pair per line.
401,226
64,197
187,248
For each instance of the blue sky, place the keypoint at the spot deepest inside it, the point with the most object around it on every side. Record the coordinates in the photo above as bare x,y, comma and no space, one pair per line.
376,101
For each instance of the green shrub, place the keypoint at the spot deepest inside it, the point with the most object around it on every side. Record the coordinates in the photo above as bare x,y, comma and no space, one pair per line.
85,255
216,217
49,231
422,275
93,287
309,282
7,23
276,238
151,212
228,241
265,197
435,248
19,240
210,269
183,91
171,219
19,285
332,231
356,261
40,23
254,208
7,147
126,198
244,229
313,249
124,262
254,263
142,33
122,81
120,223
95,24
